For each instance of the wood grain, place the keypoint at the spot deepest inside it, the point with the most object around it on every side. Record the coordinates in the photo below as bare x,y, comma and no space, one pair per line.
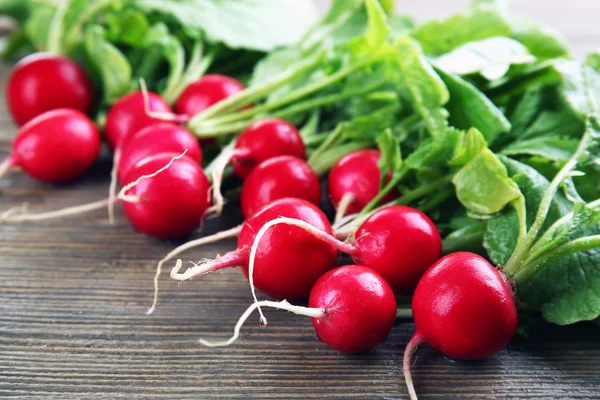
73,295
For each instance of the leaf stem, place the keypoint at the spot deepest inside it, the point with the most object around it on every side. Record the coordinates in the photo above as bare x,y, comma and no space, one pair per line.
565,250
516,260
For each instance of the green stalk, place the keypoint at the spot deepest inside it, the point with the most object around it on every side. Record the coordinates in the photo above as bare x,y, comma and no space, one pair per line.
297,95
516,260
74,35
56,30
519,205
391,185
406,199
565,250
330,141
325,162
197,67
252,94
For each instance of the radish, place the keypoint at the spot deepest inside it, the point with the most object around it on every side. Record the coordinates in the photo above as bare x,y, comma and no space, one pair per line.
277,178
205,92
57,146
154,139
352,310
127,116
43,82
398,242
170,205
354,181
265,139
289,260
464,308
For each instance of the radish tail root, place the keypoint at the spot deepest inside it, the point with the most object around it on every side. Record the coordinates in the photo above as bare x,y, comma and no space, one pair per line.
18,214
282,305
319,234
216,173
231,259
163,116
6,166
230,233
112,191
123,196
347,199
412,345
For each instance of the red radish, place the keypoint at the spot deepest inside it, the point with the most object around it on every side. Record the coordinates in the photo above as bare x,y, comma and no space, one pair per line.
170,205
154,139
277,178
355,180
205,92
464,308
352,309
128,115
398,242
288,261
265,139
43,82
57,146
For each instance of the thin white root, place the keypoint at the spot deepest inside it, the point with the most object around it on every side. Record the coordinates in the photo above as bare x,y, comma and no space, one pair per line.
163,116
112,191
412,345
134,199
282,305
18,214
324,236
344,221
345,202
230,233
6,166
217,171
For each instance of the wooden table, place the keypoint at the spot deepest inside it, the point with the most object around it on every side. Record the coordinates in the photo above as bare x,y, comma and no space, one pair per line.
73,295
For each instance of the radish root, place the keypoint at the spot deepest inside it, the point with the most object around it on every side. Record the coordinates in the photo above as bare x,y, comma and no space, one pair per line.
163,116
18,214
5,167
134,199
216,172
319,234
412,345
112,191
345,202
231,259
233,232
282,305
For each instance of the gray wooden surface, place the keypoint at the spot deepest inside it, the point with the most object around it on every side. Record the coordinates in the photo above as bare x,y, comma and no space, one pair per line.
73,295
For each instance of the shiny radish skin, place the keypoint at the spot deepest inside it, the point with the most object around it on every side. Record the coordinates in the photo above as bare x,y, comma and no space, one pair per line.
400,243
464,307
57,146
206,92
265,139
128,115
278,178
357,174
154,139
171,204
289,260
43,82
360,308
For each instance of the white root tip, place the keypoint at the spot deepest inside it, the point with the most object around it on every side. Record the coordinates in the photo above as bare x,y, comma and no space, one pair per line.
134,199
217,171
233,232
282,305
162,116
112,191
411,347
18,214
